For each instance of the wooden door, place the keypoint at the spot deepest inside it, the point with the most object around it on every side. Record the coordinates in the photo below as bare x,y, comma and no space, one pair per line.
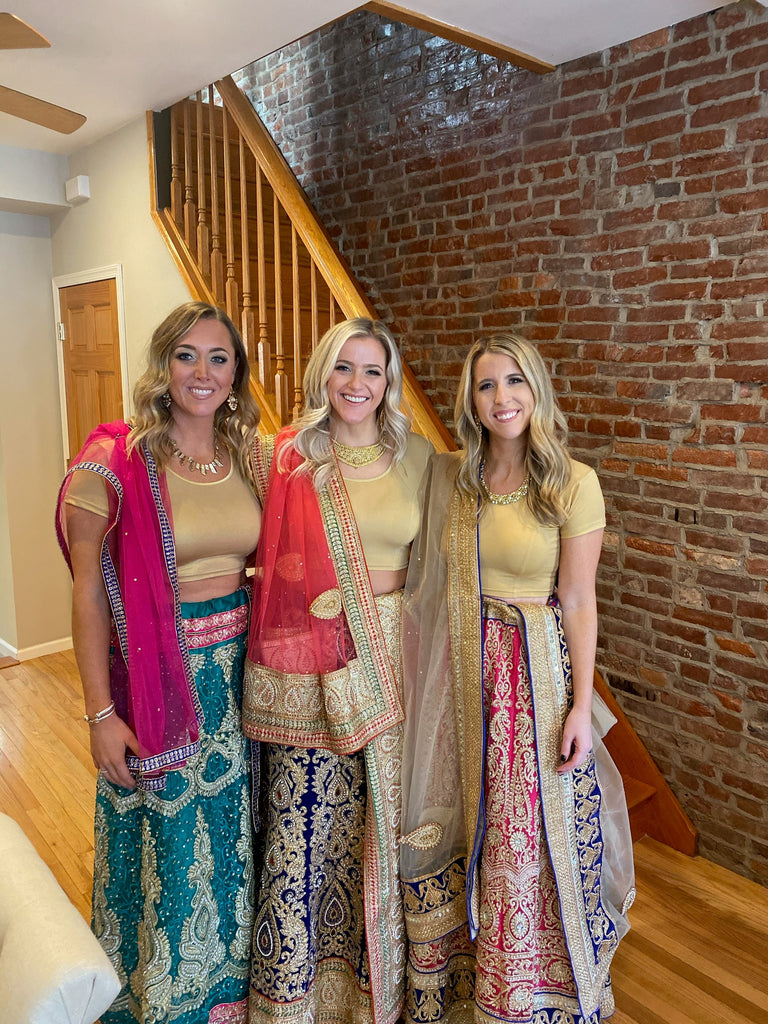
91,351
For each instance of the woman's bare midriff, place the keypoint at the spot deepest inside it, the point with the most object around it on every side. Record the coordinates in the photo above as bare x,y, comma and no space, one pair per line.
385,581
207,590
518,600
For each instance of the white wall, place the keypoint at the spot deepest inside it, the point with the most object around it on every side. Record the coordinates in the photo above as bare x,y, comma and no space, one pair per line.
31,181
35,580
115,226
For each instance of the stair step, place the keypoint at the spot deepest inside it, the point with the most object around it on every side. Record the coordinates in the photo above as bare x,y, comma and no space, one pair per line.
637,792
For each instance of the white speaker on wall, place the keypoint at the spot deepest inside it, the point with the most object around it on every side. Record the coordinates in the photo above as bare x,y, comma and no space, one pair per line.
78,189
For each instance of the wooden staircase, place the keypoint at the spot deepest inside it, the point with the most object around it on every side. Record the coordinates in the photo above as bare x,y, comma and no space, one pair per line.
245,238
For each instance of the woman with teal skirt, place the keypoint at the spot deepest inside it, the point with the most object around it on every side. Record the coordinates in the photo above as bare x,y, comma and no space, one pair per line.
156,520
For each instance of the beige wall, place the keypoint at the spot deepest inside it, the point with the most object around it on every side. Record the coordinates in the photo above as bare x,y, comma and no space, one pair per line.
34,579
114,226
8,633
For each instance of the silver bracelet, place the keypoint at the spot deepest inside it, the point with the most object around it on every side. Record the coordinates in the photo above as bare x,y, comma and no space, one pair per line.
100,715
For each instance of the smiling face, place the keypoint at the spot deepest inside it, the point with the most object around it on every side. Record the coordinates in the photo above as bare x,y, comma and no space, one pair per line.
502,396
202,370
356,389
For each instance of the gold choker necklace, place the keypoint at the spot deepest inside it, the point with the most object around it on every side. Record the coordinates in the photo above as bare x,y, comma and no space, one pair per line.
201,467
357,457
503,499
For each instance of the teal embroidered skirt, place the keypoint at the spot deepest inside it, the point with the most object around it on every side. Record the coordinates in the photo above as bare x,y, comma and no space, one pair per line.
173,872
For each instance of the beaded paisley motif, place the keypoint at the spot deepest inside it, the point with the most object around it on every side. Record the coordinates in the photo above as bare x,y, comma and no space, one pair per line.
425,836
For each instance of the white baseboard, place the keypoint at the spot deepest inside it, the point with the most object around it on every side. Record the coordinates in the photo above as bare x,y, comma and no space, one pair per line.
6,651
39,650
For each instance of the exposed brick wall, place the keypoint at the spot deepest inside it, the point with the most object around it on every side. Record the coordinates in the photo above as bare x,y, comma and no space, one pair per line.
615,211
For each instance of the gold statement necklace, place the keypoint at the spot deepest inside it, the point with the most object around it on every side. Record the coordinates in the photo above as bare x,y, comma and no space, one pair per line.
201,467
357,457
503,499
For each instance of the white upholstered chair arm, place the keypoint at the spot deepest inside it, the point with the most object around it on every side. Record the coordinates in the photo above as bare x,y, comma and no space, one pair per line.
52,969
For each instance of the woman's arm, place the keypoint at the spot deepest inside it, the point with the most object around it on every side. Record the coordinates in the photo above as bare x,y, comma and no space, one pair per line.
576,591
91,636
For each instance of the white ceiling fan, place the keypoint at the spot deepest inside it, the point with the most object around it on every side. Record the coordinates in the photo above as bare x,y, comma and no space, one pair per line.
16,34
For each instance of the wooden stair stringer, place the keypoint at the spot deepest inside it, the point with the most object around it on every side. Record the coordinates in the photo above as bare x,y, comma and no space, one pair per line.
654,810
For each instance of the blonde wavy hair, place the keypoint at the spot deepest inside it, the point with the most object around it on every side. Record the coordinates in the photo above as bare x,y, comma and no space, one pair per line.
313,439
546,462
152,420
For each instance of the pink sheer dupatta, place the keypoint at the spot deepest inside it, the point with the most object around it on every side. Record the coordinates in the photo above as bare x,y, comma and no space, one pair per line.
150,674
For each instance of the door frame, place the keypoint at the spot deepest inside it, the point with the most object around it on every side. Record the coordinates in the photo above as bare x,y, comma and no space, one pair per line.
114,270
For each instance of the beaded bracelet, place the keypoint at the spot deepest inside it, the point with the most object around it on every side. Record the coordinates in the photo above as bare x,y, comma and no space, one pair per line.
100,715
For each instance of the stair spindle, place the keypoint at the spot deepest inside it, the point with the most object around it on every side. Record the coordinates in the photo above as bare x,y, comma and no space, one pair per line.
217,254
190,214
230,288
297,362
265,351
249,317
281,377
177,169
314,312
203,230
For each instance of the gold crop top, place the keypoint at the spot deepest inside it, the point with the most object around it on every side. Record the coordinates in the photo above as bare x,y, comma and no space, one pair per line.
518,555
215,525
387,508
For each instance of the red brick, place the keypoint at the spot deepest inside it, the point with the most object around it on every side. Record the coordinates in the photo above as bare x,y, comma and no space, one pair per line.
726,643
704,456
755,57
656,129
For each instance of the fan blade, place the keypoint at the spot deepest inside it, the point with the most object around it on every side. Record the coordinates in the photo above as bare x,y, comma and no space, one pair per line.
16,34
59,119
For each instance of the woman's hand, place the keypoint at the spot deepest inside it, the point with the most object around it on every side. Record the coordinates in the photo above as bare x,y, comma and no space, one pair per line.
109,741
577,740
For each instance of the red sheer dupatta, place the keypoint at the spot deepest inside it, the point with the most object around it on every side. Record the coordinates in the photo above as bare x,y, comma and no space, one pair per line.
317,673
150,675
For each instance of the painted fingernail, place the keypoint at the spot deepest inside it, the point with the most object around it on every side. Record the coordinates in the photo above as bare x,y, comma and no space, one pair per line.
563,758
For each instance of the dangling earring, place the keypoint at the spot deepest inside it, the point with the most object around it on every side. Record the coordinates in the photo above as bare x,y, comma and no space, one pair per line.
166,400
232,399
476,418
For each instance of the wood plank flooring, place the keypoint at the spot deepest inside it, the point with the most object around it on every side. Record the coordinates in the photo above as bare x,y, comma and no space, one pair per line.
697,952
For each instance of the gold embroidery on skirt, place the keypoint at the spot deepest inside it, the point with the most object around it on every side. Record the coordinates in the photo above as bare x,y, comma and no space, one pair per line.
106,925
240,947
201,948
152,975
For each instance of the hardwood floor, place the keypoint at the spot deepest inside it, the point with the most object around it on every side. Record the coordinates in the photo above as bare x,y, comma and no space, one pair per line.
697,952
